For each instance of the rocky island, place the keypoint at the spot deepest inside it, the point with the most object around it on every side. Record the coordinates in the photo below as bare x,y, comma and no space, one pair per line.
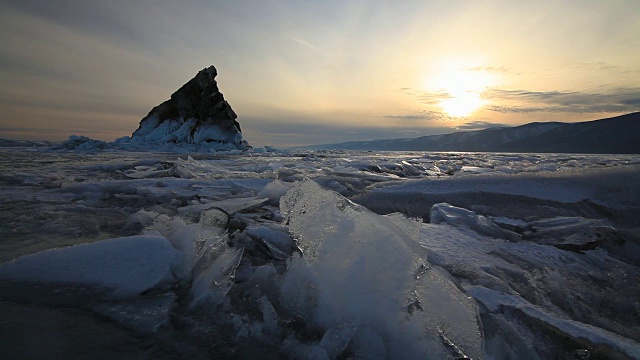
197,113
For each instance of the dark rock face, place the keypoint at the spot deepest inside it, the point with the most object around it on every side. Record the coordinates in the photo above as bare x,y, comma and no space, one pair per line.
196,114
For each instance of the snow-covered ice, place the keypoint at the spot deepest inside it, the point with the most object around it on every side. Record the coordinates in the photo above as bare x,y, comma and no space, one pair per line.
328,254
122,267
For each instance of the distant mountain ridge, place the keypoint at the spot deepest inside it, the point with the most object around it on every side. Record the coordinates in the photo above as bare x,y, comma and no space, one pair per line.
616,135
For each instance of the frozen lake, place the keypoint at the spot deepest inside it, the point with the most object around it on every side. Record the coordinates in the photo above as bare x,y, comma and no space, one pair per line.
328,254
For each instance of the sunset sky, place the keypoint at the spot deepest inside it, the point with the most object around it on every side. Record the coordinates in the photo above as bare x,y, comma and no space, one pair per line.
310,72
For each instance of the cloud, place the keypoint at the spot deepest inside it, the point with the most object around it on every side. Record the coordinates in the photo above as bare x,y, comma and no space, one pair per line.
479,125
612,100
426,97
598,65
432,98
97,18
409,132
426,115
501,70
498,69
306,43
583,109
405,117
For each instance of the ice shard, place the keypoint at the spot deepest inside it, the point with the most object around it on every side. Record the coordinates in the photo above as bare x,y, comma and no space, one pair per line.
361,268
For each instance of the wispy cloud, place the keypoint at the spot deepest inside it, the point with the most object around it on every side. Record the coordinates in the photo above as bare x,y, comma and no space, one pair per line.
598,65
405,117
498,69
426,97
479,125
306,44
584,109
410,132
432,98
426,115
614,100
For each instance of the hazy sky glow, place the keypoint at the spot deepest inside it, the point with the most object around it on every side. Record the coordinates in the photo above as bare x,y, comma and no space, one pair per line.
307,72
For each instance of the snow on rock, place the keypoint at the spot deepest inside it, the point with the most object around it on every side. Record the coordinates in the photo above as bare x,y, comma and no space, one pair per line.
362,268
196,114
123,267
455,216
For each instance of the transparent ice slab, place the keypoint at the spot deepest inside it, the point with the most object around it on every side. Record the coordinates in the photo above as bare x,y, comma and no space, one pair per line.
361,268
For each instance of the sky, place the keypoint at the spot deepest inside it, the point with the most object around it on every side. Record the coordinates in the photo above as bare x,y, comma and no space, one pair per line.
313,72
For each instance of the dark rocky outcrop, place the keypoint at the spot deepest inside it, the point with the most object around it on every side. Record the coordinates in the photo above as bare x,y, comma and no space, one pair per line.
197,113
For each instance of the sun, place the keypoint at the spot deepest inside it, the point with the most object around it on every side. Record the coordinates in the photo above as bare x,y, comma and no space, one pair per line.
462,89
462,104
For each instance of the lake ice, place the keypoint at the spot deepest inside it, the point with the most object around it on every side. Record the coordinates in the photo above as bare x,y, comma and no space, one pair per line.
329,254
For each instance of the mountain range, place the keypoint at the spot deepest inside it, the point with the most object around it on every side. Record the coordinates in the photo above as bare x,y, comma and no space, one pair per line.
616,135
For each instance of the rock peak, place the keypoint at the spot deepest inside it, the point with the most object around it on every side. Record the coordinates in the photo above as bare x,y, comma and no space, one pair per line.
197,113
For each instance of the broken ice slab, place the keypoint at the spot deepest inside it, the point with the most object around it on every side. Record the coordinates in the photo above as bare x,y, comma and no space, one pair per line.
275,189
269,316
122,267
509,223
194,169
231,206
213,274
297,350
411,227
361,266
571,233
455,216
156,170
336,339
574,285
278,242
144,314
214,218
476,170
602,341
366,344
